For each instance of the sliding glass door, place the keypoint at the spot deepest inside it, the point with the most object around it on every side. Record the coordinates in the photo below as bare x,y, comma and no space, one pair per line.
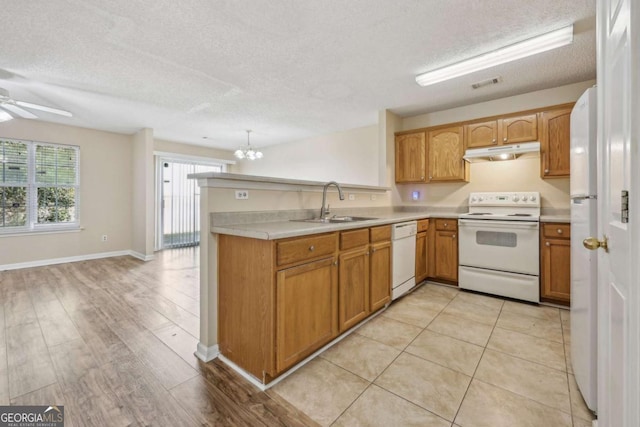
179,219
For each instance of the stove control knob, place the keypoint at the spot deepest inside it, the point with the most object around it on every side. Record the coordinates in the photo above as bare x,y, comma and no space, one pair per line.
516,198
480,198
532,198
474,199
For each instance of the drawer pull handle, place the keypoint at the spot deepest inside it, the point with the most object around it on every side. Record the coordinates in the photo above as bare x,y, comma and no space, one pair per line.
311,248
559,230
505,139
548,244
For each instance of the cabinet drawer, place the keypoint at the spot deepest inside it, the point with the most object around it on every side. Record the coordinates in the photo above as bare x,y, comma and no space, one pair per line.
446,224
354,238
562,231
380,234
423,225
305,248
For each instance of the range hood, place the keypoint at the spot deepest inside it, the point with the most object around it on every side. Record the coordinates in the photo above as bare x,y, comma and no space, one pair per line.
503,152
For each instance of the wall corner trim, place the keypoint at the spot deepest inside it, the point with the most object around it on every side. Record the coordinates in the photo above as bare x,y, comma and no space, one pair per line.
207,354
140,256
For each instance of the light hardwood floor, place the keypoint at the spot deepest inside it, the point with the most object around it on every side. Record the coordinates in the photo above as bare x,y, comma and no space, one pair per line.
113,339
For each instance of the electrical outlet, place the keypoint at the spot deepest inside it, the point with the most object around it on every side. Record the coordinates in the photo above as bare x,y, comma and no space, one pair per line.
242,194
374,197
352,196
104,238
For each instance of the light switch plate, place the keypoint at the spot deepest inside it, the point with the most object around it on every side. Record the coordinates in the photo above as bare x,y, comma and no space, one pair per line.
242,194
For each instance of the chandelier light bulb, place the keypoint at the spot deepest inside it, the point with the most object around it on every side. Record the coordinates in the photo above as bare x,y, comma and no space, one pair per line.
248,152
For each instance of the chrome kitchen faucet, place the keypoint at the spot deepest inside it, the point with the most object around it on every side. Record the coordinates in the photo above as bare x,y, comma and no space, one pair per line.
324,212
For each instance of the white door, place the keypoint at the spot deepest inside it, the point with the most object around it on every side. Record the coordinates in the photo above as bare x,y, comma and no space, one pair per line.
618,296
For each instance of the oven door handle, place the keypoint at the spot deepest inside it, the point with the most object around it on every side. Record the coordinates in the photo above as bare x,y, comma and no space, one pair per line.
490,223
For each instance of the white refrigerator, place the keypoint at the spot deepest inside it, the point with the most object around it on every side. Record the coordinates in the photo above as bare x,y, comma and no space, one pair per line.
583,186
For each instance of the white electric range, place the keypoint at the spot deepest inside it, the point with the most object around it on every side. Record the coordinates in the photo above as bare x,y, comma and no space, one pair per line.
499,245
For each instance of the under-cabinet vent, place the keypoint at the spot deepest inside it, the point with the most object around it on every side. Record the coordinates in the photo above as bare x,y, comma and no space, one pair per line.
487,82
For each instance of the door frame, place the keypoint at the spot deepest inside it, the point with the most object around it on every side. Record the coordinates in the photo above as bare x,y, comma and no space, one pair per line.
160,157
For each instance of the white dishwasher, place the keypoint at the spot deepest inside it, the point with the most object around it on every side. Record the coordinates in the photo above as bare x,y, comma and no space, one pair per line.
404,257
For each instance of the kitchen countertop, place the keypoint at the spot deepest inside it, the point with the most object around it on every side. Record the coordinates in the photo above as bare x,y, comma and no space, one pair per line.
282,229
555,218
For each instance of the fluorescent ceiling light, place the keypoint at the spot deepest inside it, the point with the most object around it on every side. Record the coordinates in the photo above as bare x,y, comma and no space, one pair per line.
4,116
539,44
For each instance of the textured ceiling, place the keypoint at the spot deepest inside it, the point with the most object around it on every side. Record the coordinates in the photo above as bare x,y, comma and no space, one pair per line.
287,69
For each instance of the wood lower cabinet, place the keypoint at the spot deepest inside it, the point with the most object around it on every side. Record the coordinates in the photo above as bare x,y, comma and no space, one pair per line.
555,143
307,303
410,157
422,250
380,275
445,148
555,263
445,250
354,287
279,301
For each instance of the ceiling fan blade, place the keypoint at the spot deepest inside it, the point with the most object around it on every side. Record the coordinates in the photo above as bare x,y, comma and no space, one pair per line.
43,108
18,111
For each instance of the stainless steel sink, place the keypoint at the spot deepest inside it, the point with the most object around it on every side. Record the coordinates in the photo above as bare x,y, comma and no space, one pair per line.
334,219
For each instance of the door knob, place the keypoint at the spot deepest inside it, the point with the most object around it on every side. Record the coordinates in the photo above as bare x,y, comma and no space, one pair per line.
592,243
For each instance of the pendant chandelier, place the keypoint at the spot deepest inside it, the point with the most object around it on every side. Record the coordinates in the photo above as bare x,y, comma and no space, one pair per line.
248,152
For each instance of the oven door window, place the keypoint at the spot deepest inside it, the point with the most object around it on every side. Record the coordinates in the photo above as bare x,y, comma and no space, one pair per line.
497,238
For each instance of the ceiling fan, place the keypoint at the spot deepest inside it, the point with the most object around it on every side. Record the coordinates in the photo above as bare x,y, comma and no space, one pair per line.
10,105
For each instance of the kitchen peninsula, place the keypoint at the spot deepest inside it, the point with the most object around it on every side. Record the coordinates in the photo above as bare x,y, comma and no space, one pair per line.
247,254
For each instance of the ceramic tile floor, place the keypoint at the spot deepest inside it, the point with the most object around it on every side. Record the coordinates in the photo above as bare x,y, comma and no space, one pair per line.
444,357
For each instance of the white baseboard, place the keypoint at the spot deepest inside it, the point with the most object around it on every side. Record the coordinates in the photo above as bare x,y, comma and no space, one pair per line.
207,354
53,261
141,256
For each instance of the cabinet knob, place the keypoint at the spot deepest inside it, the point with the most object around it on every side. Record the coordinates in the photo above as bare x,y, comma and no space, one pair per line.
312,248
559,230
430,177
367,253
546,171
504,139
373,250
453,237
446,224
422,177
495,141
335,262
547,244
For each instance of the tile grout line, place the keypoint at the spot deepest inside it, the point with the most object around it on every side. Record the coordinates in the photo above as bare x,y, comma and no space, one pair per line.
464,396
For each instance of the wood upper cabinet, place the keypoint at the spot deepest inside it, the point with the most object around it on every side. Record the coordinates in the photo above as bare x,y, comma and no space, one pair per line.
483,134
555,143
518,129
380,275
354,287
555,263
445,150
411,158
445,248
306,314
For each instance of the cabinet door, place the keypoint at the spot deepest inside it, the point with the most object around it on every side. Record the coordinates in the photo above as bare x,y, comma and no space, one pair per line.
556,270
519,129
380,290
481,134
555,143
446,255
445,151
421,256
354,287
307,310
411,158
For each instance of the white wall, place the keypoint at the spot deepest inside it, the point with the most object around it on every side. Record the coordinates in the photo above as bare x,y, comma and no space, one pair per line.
105,194
194,150
347,157
142,206
514,175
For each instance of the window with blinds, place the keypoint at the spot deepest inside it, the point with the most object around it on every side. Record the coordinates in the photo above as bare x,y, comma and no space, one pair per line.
39,189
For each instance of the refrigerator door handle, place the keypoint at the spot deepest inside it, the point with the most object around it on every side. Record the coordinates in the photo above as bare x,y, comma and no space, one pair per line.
584,197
